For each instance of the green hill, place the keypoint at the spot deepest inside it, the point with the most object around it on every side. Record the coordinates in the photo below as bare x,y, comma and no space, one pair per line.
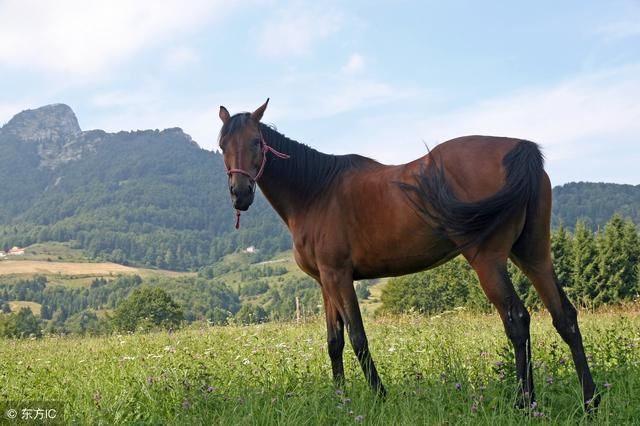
594,203
146,197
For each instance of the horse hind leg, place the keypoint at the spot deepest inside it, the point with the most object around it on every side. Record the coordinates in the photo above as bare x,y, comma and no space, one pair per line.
497,285
565,320
532,254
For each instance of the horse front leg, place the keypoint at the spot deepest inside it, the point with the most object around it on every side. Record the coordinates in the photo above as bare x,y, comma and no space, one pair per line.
338,285
335,339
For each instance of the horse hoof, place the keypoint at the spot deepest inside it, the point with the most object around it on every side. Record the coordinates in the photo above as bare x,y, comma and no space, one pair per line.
525,401
591,405
381,393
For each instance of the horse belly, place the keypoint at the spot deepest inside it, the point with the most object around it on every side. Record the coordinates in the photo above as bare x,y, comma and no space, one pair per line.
396,259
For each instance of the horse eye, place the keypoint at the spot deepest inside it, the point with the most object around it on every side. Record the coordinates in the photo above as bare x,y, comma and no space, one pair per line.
256,142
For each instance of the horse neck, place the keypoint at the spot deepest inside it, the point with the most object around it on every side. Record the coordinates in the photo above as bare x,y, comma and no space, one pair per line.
289,184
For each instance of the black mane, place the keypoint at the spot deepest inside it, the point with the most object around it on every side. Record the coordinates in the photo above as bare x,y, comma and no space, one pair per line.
307,170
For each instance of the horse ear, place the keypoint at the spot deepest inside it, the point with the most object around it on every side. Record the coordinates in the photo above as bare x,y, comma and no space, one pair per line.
224,114
257,114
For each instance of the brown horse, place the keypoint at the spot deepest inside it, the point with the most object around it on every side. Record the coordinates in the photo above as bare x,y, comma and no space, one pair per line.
487,198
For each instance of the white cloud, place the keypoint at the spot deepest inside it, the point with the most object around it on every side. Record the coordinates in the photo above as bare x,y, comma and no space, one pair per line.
181,58
558,117
320,95
626,25
586,126
295,29
355,64
621,29
117,99
86,37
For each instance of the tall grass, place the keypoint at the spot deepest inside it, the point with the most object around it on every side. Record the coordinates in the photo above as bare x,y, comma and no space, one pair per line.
455,368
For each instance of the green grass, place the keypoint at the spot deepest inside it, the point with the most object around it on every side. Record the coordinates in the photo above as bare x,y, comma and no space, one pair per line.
16,305
279,373
53,251
239,262
68,267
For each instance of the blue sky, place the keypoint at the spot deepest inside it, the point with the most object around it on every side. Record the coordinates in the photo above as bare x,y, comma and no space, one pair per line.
375,78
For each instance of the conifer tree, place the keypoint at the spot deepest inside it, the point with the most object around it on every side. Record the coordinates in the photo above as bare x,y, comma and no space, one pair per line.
584,266
618,255
561,252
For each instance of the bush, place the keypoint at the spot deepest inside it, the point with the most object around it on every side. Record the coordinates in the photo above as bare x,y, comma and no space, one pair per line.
250,314
147,308
254,288
20,325
445,287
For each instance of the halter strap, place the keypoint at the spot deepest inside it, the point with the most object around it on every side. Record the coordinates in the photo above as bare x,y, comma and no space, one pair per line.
264,148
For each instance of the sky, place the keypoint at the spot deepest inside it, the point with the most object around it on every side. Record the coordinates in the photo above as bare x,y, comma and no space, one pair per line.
377,78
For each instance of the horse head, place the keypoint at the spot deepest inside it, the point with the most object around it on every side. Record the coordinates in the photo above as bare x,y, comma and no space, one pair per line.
244,153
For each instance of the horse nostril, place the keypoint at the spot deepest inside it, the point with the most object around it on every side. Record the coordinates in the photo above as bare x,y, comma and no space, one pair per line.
232,190
250,189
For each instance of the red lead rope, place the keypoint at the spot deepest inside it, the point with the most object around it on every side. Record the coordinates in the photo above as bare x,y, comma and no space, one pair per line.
265,149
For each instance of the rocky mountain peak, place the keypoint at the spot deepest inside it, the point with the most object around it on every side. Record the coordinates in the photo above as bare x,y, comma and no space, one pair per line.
51,122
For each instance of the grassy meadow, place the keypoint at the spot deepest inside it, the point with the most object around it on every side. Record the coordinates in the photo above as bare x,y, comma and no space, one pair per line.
68,267
454,368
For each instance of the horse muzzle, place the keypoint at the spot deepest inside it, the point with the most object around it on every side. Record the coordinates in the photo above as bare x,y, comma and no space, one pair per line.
242,200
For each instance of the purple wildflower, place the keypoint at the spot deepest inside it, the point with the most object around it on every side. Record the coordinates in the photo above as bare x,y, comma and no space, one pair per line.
606,385
359,418
550,380
458,386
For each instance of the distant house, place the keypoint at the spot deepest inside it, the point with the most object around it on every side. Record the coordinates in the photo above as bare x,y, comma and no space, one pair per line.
251,249
16,251
2,254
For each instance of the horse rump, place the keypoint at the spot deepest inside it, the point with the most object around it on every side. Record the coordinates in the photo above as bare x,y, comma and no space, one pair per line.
471,223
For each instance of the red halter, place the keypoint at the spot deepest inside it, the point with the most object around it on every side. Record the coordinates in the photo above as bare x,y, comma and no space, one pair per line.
264,148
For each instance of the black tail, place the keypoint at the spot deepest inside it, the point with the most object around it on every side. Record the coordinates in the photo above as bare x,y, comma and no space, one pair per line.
471,223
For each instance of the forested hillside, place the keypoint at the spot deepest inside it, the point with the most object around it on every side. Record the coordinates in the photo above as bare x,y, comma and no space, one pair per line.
594,203
148,197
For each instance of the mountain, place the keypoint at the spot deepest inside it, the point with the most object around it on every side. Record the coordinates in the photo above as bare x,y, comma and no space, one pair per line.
155,198
150,197
594,203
